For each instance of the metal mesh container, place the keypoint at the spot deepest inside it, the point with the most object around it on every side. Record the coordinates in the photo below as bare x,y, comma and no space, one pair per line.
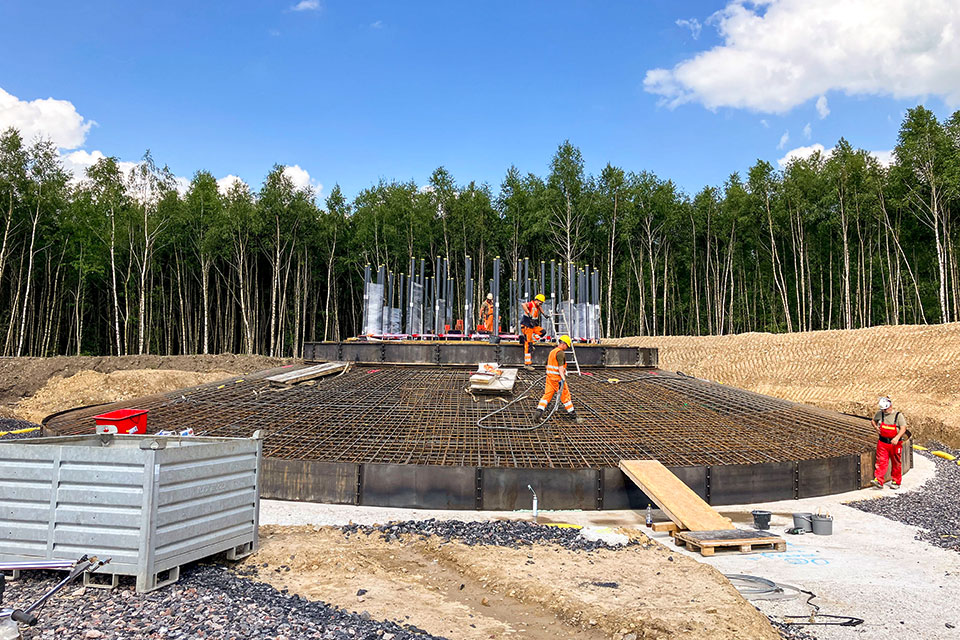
149,503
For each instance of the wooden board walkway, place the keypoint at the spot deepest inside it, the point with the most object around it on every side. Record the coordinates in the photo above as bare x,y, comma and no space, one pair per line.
308,373
737,540
678,501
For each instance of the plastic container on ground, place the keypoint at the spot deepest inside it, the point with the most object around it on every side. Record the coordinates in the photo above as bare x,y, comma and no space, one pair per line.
761,519
124,421
149,503
803,520
822,524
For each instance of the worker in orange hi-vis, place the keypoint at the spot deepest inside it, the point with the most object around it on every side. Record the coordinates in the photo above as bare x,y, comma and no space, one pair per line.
557,380
486,315
891,429
530,328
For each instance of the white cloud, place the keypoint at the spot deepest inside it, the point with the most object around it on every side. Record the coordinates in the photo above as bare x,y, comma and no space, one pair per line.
226,183
802,152
807,131
784,139
766,125
57,120
822,109
377,25
301,178
777,54
77,163
885,158
306,5
693,24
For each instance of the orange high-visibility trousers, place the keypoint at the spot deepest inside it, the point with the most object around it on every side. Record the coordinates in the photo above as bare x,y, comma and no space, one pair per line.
553,383
530,335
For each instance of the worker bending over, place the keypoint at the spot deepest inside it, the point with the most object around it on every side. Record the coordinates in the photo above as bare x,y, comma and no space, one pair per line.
486,314
891,427
557,379
530,328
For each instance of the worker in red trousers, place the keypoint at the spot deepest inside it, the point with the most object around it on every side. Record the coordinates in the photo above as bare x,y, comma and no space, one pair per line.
891,427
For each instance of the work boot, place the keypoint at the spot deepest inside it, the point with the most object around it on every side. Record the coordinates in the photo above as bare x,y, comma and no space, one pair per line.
876,484
894,485
528,367
538,416
573,416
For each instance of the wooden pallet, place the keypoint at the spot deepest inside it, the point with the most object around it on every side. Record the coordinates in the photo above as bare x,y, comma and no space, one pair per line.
737,540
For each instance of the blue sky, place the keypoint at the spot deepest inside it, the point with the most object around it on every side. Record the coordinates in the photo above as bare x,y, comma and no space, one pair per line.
352,92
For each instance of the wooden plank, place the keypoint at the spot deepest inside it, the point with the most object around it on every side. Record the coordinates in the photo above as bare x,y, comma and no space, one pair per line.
665,526
316,371
678,501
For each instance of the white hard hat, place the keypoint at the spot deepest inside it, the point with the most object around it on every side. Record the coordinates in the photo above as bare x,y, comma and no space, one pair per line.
489,296
885,403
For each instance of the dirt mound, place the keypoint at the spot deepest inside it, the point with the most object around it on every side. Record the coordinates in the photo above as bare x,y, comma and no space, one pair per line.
541,592
92,387
918,366
22,377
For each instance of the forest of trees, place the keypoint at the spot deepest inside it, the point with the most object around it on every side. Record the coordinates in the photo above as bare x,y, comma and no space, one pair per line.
123,263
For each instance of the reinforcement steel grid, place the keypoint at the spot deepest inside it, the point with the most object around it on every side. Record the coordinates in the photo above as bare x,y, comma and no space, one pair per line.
424,415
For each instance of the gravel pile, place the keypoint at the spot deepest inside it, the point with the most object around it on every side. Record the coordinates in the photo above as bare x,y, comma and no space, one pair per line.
509,533
208,602
11,424
934,506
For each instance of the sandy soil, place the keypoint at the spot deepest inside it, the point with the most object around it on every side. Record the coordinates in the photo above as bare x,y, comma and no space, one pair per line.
918,366
541,592
32,388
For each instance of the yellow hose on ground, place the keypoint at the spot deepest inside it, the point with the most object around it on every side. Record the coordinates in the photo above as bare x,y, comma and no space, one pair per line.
18,431
917,447
945,455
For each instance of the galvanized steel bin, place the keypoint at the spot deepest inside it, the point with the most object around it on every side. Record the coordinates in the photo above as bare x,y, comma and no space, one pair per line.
149,503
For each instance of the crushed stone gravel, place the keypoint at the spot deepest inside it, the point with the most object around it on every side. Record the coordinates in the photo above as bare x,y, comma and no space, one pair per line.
209,601
934,507
512,533
12,424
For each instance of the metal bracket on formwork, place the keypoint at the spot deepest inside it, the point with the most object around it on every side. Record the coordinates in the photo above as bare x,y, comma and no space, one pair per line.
796,481
708,488
479,495
358,498
599,490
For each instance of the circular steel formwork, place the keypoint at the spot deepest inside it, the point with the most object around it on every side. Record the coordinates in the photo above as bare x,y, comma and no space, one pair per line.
393,435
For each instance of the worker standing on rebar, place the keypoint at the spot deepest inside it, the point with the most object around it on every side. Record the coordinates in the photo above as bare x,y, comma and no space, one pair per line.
530,328
891,427
557,380
486,314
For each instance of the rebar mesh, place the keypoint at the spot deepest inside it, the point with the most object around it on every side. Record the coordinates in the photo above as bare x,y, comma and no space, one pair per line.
424,415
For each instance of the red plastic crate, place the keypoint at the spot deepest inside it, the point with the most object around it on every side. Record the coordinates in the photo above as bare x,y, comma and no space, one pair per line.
122,421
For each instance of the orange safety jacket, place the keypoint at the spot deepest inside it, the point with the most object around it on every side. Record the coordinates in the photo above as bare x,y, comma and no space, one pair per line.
557,364
531,309
486,311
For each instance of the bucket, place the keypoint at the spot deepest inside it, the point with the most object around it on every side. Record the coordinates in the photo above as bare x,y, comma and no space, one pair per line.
822,524
761,519
803,521
122,421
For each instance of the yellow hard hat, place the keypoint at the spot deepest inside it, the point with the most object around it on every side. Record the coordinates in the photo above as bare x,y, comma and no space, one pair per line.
566,339
540,298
